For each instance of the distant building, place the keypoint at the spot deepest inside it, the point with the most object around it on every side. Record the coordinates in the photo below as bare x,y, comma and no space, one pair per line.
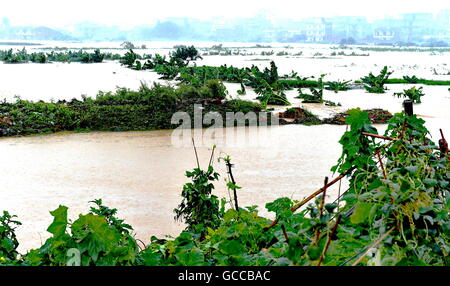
350,27
384,34
415,25
318,30
24,34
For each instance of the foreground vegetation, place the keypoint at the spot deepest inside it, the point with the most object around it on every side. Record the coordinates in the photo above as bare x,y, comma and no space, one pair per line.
395,212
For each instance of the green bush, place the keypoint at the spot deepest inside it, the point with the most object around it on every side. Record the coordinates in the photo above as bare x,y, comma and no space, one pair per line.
375,84
148,108
22,56
412,93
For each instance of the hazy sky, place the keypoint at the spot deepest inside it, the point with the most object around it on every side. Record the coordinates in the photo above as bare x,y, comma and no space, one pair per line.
127,13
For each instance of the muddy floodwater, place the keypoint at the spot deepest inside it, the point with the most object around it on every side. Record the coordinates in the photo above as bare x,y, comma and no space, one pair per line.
142,173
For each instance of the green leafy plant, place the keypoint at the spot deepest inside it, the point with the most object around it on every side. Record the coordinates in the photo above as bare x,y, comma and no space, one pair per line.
338,86
98,240
199,209
412,93
411,79
148,108
22,56
8,239
183,55
375,84
316,95
129,58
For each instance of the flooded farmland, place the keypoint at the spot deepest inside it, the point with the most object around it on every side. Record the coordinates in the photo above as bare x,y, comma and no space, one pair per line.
142,173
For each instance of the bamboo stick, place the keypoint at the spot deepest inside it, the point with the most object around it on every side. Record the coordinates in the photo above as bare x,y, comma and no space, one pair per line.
372,246
285,233
381,164
322,203
319,191
196,155
379,136
333,230
313,195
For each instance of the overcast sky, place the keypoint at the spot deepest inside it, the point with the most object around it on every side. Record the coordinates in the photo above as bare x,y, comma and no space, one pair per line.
128,13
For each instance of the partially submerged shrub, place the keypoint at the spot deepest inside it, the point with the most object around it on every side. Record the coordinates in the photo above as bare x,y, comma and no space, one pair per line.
411,79
148,108
338,86
316,95
375,84
412,93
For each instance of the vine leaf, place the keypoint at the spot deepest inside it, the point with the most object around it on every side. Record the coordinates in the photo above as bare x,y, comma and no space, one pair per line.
361,213
59,224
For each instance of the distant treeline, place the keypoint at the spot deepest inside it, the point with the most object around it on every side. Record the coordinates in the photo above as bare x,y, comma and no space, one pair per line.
22,56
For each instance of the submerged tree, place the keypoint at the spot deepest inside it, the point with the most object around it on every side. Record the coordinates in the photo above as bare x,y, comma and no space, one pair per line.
129,58
183,55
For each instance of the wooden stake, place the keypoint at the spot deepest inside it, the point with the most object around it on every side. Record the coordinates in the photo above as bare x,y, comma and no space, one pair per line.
372,246
381,164
229,166
319,191
212,156
285,233
322,203
339,195
333,230
313,195
403,128
196,155
379,136
443,145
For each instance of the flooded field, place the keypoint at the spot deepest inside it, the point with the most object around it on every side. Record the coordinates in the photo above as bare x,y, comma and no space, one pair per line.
142,173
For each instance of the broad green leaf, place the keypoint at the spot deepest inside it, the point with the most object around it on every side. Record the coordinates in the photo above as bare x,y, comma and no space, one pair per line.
59,224
361,212
232,247
193,257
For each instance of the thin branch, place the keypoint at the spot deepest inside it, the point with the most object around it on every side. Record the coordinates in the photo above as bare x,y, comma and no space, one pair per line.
379,136
333,230
321,190
403,128
142,244
212,156
372,246
285,233
322,203
339,195
381,164
313,195
196,155
229,166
